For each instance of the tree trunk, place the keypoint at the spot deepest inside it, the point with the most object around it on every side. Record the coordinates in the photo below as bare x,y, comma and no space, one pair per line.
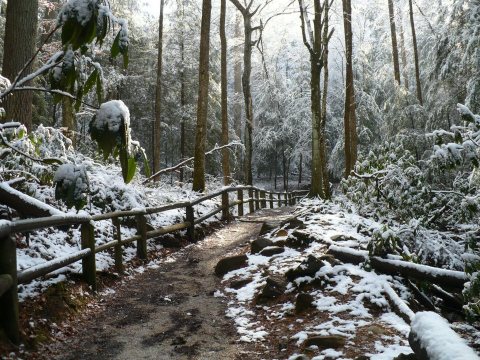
396,65
202,102
183,101
247,95
323,121
237,107
300,170
158,96
68,118
350,123
415,54
403,52
19,47
225,152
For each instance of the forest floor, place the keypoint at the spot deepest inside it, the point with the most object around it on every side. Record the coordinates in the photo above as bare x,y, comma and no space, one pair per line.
167,312
175,307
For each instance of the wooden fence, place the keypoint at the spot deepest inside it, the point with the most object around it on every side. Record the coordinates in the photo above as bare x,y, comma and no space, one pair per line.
10,278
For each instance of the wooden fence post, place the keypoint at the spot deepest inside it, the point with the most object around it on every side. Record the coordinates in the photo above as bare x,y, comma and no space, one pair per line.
142,242
264,199
240,198
9,300
251,205
290,201
118,247
89,267
257,200
271,200
225,208
190,218
286,199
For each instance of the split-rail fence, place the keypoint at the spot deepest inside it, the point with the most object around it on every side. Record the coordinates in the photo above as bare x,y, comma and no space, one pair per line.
10,278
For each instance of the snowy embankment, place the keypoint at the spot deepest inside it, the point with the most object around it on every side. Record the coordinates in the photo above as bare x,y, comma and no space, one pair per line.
108,193
304,301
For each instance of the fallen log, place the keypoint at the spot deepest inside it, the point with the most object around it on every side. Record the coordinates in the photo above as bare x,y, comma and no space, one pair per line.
25,204
431,338
422,272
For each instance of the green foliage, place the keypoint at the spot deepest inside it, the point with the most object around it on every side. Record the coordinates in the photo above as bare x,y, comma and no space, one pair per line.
384,241
82,23
71,185
110,128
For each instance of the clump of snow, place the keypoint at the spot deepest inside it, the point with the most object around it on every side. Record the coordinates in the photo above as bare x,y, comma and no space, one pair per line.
111,116
81,10
437,338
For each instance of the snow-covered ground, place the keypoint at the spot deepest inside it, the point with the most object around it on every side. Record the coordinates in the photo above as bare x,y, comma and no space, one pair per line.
348,300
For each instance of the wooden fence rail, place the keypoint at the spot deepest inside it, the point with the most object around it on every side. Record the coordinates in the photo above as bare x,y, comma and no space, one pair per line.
10,278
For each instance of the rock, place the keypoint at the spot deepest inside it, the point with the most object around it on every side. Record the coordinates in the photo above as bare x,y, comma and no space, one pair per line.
362,357
293,223
300,357
326,342
274,287
330,259
341,237
269,226
259,244
308,267
272,250
231,263
406,357
299,239
303,302
281,233
170,242
238,284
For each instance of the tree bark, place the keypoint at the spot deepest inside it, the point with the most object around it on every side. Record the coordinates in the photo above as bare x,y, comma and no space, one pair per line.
316,43
247,93
183,101
68,118
19,47
415,54
396,64
158,97
237,87
403,52
223,40
202,102
323,121
350,122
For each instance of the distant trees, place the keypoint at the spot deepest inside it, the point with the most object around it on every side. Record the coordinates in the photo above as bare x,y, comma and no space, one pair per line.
19,47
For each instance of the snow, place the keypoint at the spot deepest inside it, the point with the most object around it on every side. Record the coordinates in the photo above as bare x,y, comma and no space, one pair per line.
111,116
438,339
30,200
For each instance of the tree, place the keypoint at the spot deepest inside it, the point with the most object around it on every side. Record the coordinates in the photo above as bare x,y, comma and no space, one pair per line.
202,102
223,40
158,96
317,45
19,48
396,64
350,122
415,54
247,14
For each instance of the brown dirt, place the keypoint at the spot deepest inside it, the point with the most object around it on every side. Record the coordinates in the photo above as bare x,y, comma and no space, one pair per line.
165,313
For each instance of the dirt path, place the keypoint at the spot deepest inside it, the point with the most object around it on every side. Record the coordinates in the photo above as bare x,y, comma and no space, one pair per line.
169,312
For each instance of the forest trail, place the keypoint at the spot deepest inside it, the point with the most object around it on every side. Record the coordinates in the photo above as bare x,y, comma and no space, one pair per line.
169,312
